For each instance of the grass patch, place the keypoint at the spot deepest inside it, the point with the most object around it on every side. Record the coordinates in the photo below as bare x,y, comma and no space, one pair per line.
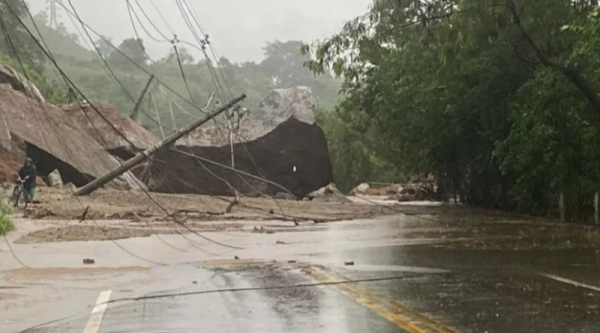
5,223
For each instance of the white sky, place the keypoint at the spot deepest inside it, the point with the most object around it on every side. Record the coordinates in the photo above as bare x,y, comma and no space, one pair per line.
238,28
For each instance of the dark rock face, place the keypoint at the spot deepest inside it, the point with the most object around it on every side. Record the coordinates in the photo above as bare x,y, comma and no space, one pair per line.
279,142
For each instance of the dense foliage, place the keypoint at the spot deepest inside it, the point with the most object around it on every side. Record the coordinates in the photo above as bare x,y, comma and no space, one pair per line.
496,98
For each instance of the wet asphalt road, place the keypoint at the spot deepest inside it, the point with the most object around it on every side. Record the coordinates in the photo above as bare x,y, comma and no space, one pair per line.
431,276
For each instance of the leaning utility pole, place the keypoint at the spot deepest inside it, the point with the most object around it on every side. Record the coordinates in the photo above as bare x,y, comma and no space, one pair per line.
141,157
135,115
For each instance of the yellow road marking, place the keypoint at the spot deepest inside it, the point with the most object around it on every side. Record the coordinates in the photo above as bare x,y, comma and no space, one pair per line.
390,309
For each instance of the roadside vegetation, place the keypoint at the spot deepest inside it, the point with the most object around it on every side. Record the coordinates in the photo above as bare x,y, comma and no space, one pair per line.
498,99
6,225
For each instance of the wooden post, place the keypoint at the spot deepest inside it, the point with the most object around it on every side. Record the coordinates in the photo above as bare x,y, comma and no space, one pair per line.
135,115
139,158
160,125
231,141
561,206
173,115
596,199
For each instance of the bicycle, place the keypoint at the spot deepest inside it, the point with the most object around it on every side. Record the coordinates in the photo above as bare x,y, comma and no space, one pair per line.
19,192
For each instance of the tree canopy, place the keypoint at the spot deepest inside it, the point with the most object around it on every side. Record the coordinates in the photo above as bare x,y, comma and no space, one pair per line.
496,98
12,32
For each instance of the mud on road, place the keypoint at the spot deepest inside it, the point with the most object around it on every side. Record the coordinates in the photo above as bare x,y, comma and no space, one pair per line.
112,214
112,204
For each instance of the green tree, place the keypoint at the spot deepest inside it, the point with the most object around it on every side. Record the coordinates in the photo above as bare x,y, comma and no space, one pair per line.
132,50
12,12
457,88
185,56
104,46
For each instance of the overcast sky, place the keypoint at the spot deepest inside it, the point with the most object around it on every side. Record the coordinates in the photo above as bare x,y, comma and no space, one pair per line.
238,28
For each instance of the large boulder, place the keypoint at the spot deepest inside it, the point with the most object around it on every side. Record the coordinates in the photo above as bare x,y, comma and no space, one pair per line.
105,135
12,78
45,133
279,141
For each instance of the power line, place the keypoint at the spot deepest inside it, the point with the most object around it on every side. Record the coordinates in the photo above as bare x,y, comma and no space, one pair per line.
234,290
68,152
183,73
130,10
84,25
66,78
14,255
265,212
111,72
108,42
202,42
174,41
152,23
212,49
161,16
237,171
137,37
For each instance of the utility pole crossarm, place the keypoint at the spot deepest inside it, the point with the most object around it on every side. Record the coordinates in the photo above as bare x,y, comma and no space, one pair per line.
141,157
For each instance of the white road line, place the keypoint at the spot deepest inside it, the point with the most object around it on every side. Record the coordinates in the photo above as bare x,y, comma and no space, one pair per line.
98,312
571,282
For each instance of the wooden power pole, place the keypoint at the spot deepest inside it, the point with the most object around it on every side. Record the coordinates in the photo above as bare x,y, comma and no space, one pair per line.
135,114
141,157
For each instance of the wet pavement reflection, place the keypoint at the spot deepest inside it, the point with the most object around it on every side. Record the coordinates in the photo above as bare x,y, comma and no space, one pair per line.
446,274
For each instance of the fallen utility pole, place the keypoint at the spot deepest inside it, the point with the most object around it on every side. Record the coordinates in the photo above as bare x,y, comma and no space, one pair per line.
135,115
141,157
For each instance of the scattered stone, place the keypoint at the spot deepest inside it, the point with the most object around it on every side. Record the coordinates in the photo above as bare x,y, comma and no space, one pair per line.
361,189
262,230
54,179
89,261
271,212
280,243
194,282
291,261
6,190
236,258
329,193
349,263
